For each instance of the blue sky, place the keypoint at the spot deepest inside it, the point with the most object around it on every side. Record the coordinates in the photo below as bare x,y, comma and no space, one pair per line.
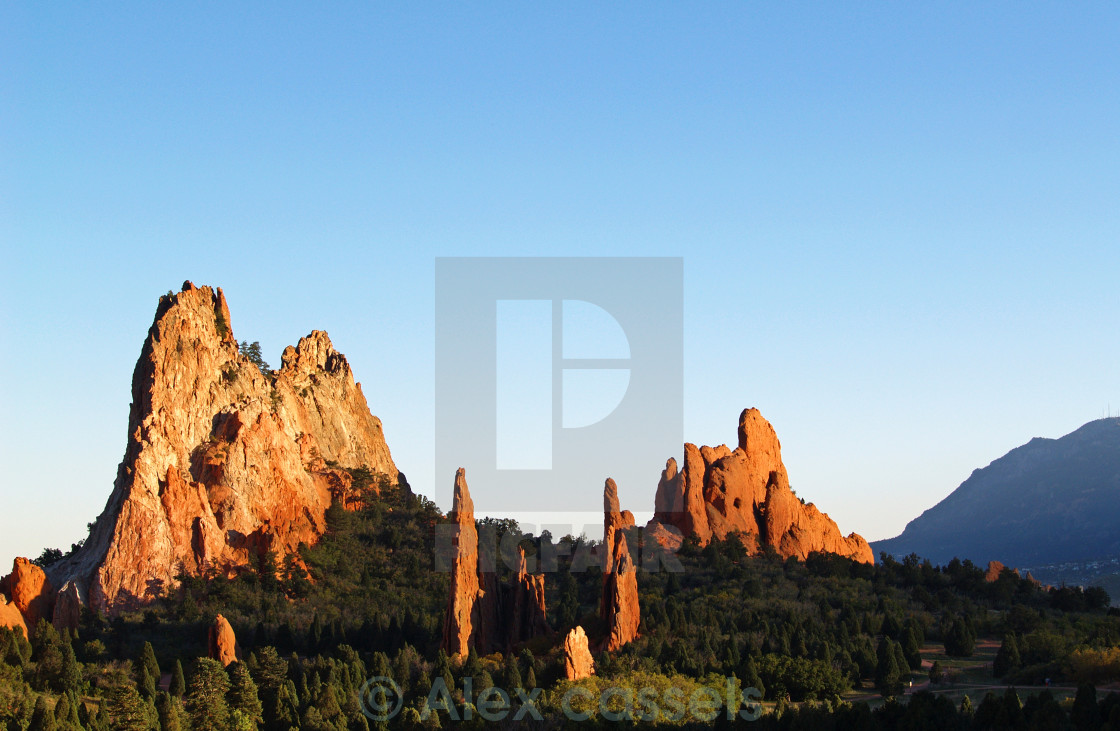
899,223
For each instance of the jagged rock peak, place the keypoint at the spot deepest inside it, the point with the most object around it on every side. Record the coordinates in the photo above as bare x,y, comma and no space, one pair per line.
222,462
719,491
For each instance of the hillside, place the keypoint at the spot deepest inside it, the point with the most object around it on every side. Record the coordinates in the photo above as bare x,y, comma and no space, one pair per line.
1048,501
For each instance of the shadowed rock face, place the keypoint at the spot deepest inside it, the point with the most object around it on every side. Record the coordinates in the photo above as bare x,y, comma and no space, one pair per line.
720,491
578,663
222,461
482,612
619,605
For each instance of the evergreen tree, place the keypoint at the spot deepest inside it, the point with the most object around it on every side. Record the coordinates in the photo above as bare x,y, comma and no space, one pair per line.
912,643
147,660
168,712
42,718
178,682
206,695
888,676
146,684
1007,658
62,710
511,678
243,694
127,711
70,674
1086,714
901,662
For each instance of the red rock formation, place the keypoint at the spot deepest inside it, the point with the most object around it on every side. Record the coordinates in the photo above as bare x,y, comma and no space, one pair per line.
481,612
67,607
459,624
745,491
222,461
578,663
223,643
30,592
995,568
526,605
10,616
619,605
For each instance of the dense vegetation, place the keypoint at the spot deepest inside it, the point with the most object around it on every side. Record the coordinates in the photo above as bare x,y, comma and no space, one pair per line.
811,637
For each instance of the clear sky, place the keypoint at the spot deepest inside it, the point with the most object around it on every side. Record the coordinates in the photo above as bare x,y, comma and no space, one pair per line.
899,221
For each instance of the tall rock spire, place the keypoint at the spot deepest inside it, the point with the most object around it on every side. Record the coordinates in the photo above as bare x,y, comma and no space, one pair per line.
619,605
460,621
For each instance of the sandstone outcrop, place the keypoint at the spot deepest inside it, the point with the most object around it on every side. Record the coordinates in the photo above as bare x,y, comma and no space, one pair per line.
720,491
526,605
68,607
995,568
223,462
10,616
578,663
459,624
30,592
223,643
619,604
482,612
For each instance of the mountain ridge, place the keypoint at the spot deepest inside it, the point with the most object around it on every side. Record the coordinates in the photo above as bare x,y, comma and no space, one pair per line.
1045,501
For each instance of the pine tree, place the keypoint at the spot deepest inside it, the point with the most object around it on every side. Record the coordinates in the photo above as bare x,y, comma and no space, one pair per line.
148,660
1086,715
168,712
42,718
70,674
888,676
243,694
178,682
127,711
912,644
936,673
206,697
512,676
146,684
1007,658
62,710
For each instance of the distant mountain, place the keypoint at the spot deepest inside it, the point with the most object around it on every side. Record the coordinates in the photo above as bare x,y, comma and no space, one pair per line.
1048,501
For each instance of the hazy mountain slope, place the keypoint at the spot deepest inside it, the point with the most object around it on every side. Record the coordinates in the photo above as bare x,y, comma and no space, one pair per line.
1049,500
